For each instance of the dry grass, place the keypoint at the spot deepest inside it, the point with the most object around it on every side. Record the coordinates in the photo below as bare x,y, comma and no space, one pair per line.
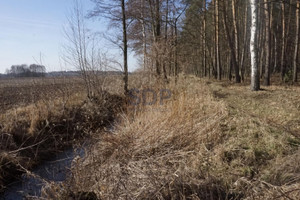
211,140
31,133
261,150
164,153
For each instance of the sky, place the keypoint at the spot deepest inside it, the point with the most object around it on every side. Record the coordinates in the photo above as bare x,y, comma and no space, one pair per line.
33,29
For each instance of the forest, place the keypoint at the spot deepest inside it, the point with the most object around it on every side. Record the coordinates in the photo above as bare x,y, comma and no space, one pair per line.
210,38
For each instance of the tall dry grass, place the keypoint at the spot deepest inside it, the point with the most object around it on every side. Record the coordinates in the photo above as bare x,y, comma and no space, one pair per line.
32,133
209,141
164,152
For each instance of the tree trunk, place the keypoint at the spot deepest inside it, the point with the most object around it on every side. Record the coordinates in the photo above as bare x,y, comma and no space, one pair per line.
244,44
296,44
261,42
267,44
176,53
282,64
144,34
157,34
125,47
204,39
155,25
232,47
217,45
275,53
255,85
166,42
236,44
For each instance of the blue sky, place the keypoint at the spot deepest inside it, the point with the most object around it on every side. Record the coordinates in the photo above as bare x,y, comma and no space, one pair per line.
30,28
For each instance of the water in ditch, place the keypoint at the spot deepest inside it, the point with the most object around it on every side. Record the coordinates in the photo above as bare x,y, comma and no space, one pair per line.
55,169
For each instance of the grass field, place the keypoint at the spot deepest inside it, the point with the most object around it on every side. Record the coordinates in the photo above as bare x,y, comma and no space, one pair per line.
210,140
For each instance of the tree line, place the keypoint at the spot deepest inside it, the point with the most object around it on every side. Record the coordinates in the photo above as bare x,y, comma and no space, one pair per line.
24,70
221,39
218,34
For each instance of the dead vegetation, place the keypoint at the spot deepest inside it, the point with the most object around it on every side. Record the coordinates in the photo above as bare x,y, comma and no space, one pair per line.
210,141
32,133
158,155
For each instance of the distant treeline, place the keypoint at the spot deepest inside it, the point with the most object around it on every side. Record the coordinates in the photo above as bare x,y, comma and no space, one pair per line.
24,70
78,73
57,74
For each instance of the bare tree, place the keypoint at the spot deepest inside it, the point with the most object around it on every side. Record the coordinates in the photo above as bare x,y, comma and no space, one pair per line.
155,13
116,12
245,43
296,44
267,43
34,68
125,47
236,43
75,51
232,43
81,50
217,43
143,23
204,39
255,85
283,39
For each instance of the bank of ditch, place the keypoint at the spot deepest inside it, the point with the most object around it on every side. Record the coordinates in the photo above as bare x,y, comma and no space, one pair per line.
34,134
211,140
156,152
